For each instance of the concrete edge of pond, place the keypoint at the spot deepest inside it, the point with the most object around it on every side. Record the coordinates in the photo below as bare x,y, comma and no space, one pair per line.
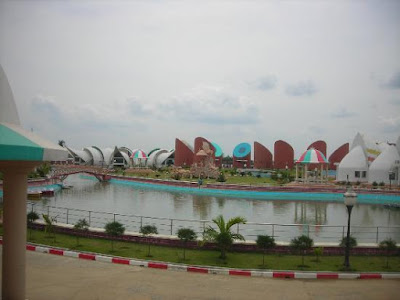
209,269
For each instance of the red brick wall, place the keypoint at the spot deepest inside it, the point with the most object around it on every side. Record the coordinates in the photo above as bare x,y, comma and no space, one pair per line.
262,157
283,155
337,155
238,162
183,154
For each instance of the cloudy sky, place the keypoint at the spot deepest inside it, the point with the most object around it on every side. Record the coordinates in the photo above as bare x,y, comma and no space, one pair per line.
140,73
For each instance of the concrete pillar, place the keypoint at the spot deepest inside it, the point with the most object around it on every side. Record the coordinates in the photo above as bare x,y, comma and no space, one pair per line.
306,175
14,236
322,175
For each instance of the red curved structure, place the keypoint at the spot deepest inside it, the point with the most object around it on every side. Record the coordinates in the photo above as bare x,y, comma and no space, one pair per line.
242,162
337,156
262,157
198,145
283,155
319,145
183,154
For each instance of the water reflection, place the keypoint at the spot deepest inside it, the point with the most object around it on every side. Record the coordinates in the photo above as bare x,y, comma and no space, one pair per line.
89,194
202,207
310,213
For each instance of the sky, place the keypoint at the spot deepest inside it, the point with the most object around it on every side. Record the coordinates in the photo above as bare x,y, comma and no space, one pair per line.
142,73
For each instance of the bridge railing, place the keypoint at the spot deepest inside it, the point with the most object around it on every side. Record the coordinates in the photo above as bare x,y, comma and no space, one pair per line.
250,230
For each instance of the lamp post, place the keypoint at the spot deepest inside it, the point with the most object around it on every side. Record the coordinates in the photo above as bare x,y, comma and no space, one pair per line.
350,199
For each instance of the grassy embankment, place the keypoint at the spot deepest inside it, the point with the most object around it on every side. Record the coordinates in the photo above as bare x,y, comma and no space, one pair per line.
210,258
230,179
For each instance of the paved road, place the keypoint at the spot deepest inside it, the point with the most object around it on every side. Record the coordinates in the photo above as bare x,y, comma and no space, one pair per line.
54,277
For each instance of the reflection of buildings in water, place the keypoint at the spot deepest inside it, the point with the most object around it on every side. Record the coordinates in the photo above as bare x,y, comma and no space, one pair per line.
202,207
179,202
310,213
281,207
220,201
366,217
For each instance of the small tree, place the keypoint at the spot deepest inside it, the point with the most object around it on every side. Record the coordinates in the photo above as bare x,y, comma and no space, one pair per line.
265,242
302,244
186,235
49,225
319,251
32,217
147,230
114,229
389,245
83,226
223,237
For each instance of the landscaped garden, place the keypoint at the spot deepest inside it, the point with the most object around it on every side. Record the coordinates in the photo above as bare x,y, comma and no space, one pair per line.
314,260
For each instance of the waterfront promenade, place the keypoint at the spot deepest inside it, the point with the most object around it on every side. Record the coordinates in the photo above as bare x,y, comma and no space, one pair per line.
55,277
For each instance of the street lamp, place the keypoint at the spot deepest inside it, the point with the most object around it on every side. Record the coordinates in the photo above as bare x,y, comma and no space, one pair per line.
350,199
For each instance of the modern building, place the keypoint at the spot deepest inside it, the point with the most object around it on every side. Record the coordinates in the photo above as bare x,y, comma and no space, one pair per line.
161,158
283,155
369,161
184,154
262,157
242,156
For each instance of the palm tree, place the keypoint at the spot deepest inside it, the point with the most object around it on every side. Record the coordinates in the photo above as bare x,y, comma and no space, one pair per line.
223,237
265,242
114,229
49,226
83,226
186,235
146,230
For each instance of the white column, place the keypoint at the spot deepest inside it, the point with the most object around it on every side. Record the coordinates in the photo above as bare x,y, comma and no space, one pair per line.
297,172
305,172
14,235
322,176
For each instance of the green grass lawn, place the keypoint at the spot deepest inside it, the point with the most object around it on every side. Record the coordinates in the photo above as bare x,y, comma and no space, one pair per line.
210,258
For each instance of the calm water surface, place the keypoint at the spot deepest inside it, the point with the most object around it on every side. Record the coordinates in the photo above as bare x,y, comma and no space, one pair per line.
91,195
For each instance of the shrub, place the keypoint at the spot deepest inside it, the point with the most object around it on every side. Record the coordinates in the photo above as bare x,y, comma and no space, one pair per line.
352,240
176,176
389,245
221,177
381,183
301,244
374,184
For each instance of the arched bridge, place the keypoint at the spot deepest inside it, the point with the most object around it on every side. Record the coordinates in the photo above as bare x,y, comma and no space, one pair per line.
63,171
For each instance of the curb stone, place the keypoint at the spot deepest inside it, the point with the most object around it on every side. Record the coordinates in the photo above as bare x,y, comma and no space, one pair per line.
206,269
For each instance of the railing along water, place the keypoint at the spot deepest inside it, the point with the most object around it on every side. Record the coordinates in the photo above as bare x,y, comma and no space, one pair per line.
250,230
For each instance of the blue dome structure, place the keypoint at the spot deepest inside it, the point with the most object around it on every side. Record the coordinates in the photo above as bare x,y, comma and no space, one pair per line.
242,150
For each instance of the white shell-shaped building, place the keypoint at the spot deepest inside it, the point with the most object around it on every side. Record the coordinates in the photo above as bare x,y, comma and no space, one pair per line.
354,166
384,166
97,156
371,162
160,158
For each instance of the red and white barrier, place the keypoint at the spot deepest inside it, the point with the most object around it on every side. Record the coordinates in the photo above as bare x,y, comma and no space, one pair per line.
210,270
